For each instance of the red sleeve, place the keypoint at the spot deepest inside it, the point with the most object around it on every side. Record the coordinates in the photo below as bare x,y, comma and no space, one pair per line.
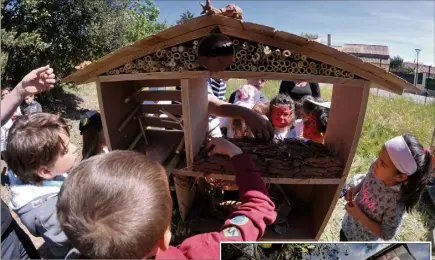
249,221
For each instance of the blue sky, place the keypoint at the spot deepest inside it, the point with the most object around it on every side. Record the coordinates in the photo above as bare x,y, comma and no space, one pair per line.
401,25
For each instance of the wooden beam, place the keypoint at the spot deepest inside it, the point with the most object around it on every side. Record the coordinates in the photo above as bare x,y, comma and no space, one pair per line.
342,64
154,76
159,95
103,114
195,119
174,109
345,122
231,177
156,121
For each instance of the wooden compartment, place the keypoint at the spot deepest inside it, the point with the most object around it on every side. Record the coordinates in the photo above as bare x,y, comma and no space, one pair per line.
121,74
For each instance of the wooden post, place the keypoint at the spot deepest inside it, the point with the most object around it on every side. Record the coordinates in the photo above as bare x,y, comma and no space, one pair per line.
348,108
195,120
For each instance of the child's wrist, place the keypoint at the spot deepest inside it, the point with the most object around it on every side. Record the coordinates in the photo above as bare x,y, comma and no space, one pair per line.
235,151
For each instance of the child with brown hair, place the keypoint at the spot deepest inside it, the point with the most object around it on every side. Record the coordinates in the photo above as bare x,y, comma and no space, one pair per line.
282,116
91,128
40,153
132,218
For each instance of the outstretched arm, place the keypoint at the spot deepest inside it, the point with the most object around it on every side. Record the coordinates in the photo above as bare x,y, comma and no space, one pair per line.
37,81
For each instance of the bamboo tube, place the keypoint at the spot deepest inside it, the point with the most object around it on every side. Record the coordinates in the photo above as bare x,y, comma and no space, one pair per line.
194,47
338,73
275,63
186,64
116,72
173,68
177,56
174,49
295,70
251,48
289,70
283,69
306,63
259,49
267,50
303,58
308,71
236,42
247,67
314,71
249,57
236,60
185,54
294,65
162,69
302,71
141,62
351,75
239,55
312,65
190,66
195,42
190,50
153,69
324,66
240,67
254,68
256,57
182,59
181,48
277,52
148,58
192,58
245,45
262,68
128,66
260,44
159,54
327,73
318,67
163,51
121,70
297,56
243,61
321,72
243,52
276,69
180,69
270,58
300,64
282,63
288,63
333,69
286,53
269,68
233,66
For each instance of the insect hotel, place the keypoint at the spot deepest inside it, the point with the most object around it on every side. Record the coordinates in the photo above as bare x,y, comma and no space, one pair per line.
171,126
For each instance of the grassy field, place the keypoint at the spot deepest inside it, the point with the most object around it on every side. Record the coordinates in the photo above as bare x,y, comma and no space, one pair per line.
385,118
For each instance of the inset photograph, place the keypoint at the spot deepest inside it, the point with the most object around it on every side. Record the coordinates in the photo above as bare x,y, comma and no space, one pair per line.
325,251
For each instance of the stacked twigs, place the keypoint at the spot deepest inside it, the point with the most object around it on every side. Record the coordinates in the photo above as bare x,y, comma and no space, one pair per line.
290,158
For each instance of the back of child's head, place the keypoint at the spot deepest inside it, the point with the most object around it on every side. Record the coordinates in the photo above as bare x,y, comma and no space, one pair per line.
115,205
91,128
33,142
412,188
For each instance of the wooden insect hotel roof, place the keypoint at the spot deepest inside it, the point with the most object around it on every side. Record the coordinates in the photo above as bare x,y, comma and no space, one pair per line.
355,69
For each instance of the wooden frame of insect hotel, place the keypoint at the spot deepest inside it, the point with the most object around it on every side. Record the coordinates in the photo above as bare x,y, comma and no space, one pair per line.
170,58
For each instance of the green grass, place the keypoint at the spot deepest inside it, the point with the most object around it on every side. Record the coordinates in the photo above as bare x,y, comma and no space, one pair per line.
385,118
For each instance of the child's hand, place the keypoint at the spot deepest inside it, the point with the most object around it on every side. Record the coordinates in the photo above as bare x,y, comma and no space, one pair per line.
353,209
223,146
37,81
350,195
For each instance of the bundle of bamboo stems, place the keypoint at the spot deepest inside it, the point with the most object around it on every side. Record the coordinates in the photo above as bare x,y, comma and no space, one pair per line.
248,57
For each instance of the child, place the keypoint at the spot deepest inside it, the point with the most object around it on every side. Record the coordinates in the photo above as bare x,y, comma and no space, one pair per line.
258,83
132,218
31,106
394,184
314,114
91,128
282,116
40,153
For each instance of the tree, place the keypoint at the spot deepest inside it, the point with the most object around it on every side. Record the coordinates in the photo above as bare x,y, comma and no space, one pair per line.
185,17
396,63
64,33
311,36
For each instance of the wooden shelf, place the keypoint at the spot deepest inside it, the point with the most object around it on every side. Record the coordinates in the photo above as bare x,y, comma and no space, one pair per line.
229,177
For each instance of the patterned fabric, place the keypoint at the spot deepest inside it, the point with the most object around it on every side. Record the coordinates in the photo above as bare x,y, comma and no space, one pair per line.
378,202
217,88
247,96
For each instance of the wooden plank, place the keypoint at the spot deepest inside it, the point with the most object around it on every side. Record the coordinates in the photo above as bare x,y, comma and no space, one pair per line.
159,95
340,63
289,76
156,121
158,83
259,29
103,114
117,61
347,105
231,177
227,21
292,38
174,109
114,111
153,76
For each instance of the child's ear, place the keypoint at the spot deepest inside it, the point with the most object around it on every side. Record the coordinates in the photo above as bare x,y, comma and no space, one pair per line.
166,239
401,177
44,173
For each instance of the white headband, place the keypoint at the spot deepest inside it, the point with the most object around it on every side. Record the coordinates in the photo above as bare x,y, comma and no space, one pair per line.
401,156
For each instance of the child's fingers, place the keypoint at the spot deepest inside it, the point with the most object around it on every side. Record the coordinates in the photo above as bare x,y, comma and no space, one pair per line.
40,70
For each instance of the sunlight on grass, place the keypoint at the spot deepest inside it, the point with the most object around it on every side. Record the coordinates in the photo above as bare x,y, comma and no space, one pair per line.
385,118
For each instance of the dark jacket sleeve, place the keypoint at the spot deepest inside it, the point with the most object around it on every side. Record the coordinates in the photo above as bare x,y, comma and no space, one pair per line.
315,90
249,221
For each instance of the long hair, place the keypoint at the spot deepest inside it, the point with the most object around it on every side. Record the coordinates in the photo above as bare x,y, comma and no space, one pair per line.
320,113
91,141
414,185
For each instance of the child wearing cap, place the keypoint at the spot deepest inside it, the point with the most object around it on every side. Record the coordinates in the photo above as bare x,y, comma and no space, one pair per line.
91,128
393,185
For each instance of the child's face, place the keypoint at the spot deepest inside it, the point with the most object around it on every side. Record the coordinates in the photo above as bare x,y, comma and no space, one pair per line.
29,99
310,127
64,162
257,82
5,92
384,169
281,116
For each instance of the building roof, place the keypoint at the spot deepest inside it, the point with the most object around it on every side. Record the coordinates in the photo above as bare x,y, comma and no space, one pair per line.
388,249
366,49
199,27
421,67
